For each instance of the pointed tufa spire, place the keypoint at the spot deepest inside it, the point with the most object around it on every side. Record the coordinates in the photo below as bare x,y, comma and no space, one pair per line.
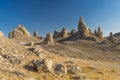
112,38
98,33
49,39
64,32
1,34
35,34
83,29
73,31
56,33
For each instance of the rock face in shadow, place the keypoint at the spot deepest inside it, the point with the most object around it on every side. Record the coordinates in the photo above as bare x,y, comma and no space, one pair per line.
1,34
49,39
73,31
19,32
112,38
98,33
56,34
83,29
35,34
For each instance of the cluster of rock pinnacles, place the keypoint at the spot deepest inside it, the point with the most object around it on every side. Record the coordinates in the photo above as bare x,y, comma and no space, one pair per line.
83,31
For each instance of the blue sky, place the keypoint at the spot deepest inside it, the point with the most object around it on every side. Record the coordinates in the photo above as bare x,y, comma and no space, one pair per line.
49,15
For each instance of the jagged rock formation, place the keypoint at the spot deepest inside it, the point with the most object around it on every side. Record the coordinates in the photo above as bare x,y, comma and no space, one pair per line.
1,34
83,29
98,33
19,32
73,31
56,33
35,34
112,38
49,39
64,32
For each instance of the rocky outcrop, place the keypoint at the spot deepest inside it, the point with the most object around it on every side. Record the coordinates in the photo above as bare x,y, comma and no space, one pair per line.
49,39
98,33
35,34
73,31
1,34
64,33
13,59
112,38
83,29
19,32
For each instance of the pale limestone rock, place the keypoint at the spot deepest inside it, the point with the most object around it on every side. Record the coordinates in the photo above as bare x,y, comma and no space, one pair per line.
64,32
98,33
73,31
83,29
1,34
112,38
19,32
49,39
44,65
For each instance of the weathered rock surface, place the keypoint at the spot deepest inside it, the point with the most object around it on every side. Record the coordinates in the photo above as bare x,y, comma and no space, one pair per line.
1,34
49,39
74,69
35,34
19,32
73,31
83,29
36,52
56,33
14,59
112,38
98,33
45,65
64,32
60,69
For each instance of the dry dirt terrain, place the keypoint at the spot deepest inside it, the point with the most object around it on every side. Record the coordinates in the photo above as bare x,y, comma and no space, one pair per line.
97,61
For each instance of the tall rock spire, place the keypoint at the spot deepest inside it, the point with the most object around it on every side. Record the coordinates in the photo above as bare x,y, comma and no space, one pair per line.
82,28
35,34
49,39
112,38
64,32
98,33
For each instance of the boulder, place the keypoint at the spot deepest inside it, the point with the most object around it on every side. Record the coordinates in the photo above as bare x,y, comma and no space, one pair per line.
60,69
74,69
19,32
45,65
35,34
83,29
49,39
1,34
